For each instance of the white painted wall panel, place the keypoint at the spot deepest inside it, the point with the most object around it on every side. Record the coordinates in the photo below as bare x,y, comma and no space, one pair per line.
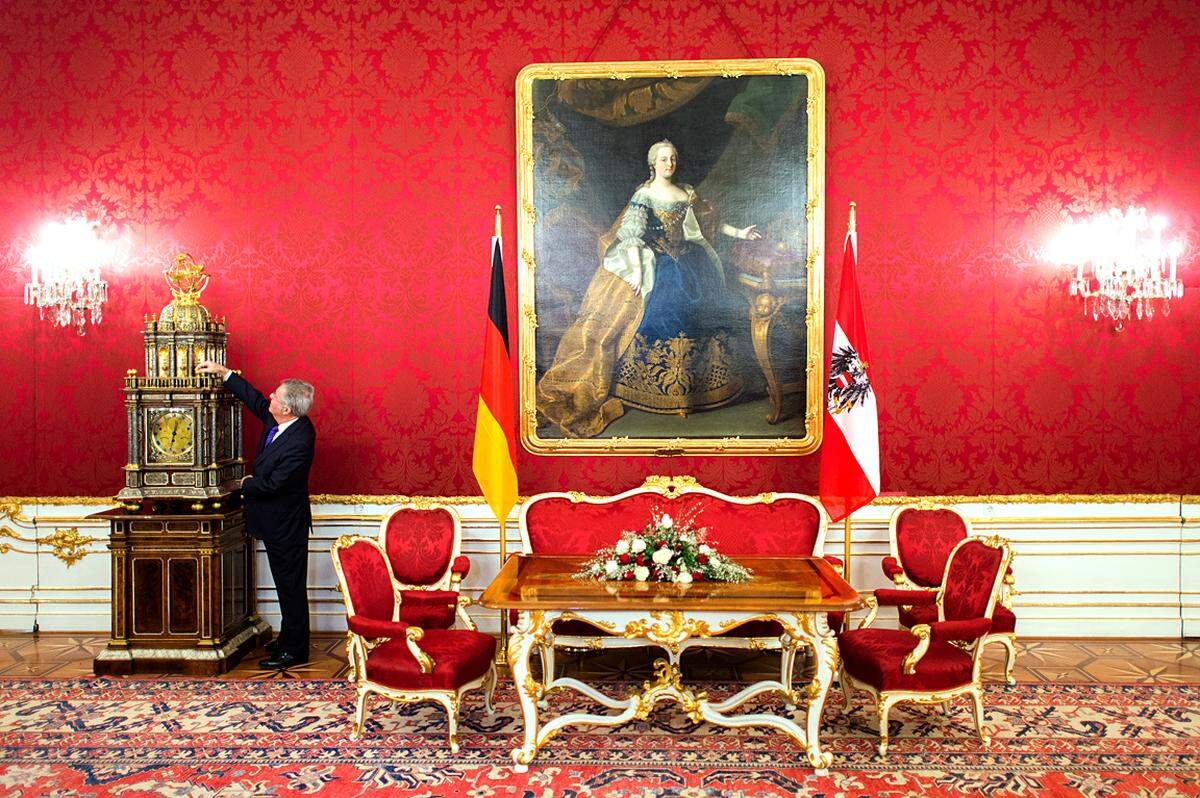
1082,569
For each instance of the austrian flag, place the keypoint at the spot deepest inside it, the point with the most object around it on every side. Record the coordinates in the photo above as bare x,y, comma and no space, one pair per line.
850,456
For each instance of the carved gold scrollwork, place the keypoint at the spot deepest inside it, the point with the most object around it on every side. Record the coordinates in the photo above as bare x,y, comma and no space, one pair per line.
66,544
668,629
668,684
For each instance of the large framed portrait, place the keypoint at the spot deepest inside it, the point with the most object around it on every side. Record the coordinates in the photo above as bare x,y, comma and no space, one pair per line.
670,230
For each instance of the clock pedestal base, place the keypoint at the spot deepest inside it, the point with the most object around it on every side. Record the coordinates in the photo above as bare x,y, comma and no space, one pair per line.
183,590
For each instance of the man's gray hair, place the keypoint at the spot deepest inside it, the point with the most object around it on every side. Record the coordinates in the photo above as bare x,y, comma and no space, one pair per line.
298,395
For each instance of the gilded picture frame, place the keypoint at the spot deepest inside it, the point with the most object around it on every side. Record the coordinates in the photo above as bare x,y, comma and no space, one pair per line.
671,223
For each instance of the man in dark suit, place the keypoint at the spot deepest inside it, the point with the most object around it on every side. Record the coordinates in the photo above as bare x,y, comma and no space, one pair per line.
277,505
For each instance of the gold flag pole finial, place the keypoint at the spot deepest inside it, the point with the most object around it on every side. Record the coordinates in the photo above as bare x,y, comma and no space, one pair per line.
498,221
851,226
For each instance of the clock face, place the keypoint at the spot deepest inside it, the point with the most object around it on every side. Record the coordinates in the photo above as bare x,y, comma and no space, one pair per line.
171,437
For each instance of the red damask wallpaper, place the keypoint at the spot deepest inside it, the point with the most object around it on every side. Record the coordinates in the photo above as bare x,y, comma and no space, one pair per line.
335,165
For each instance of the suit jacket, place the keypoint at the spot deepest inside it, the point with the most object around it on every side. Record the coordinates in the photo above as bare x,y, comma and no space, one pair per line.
276,497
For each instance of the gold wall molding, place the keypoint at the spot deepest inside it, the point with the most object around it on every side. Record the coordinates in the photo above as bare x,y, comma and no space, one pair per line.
881,501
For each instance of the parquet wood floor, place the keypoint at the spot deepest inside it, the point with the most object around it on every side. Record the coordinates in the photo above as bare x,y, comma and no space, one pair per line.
1113,660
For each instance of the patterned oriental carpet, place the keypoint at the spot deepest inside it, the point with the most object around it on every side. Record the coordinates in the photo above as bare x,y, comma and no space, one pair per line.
243,738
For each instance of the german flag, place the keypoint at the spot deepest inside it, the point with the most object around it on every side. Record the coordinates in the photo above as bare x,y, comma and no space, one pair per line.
495,457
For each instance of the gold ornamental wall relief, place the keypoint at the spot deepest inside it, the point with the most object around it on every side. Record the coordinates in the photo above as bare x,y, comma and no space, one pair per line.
670,237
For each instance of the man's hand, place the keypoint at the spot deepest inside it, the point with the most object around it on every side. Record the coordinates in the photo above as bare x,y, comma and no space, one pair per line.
212,367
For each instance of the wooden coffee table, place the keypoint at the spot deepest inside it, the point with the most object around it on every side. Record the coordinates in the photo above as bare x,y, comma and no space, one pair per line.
795,592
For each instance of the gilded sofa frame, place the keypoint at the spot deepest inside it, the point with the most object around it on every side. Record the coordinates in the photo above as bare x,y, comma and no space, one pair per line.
670,488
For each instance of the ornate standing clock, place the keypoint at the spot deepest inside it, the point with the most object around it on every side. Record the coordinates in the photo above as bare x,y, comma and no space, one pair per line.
183,584
185,430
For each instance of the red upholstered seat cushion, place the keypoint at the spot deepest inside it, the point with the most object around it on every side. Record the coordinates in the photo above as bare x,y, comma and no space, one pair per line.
1004,621
924,540
428,609
784,527
876,657
419,544
459,656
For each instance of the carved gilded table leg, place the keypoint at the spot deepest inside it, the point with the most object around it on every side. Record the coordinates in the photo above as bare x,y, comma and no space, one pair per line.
814,630
530,631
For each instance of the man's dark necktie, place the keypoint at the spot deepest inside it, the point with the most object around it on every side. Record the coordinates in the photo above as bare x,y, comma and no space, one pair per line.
271,435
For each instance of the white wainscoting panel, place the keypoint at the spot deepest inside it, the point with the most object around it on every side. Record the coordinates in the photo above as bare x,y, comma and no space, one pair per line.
1126,569
1189,566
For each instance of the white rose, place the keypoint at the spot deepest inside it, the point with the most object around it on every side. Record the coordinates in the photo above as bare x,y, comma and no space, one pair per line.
684,578
666,521
705,548
662,556
687,538
622,546
641,573
611,567
638,546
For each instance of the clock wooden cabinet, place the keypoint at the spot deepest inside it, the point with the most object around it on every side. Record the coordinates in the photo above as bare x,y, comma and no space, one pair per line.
183,584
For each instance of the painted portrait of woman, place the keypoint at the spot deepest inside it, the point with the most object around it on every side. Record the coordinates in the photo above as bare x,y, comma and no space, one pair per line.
648,332
663,213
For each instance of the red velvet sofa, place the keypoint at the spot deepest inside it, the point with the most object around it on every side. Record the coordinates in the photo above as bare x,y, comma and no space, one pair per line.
767,524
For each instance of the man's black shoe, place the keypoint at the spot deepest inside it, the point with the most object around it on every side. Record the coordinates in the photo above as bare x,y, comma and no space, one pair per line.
281,661
272,648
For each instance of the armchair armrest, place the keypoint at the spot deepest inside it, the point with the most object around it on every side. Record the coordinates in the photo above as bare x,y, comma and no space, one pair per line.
964,630
459,569
374,629
837,564
888,597
892,570
922,632
872,611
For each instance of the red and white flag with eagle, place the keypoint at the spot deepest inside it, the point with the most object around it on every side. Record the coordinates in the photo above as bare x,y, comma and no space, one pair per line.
850,454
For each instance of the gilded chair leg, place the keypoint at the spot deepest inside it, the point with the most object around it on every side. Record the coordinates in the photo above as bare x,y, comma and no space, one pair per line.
449,702
846,690
489,687
977,708
884,706
1010,650
360,716
946,708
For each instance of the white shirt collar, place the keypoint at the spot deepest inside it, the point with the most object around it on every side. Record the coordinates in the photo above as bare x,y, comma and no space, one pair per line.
284,426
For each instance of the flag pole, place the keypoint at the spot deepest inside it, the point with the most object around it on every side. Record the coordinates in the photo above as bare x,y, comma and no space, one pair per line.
502,649
851,226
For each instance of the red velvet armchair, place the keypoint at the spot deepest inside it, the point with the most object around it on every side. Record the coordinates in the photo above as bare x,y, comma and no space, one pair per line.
394,657
423,545
922,537
934,662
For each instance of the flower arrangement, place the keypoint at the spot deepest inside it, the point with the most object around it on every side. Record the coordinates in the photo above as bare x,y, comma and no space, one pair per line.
663,551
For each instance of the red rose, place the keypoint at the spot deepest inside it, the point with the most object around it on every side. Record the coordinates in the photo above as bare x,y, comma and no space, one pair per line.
623,559
641,560
697,576
627,576
702,559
